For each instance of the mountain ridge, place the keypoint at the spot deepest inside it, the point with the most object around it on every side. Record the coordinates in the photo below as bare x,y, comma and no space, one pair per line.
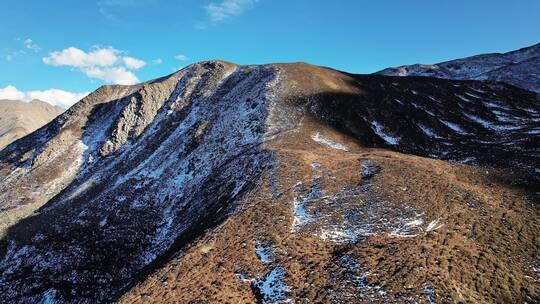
520,68
293,170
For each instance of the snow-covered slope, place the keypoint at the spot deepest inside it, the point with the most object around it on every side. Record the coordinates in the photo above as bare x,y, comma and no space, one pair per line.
520,68
132,176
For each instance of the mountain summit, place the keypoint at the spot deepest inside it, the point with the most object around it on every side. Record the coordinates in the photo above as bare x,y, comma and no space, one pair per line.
277,183
520,68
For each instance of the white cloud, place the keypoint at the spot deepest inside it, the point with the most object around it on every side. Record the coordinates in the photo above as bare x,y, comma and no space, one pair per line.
10,92
133,63
226,9
105,64
27,44
157,61
181,57
55,97
78,58
116,75
31,45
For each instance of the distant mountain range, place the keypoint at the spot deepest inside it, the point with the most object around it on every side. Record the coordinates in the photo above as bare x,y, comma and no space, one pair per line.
520,68
18,118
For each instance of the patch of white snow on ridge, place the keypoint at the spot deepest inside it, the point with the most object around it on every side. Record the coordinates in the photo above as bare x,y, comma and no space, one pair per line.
453,126
486,124
490,125
243,278
273,288
473,95
463,98
263,252
379,130
407,229
332,144
434,225
354,286
504,116
368,170
340,219
301,216
103,222
429,132
536,269
430,294
497,105
49,297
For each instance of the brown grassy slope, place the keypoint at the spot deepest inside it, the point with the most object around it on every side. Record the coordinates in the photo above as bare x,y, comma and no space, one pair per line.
482,254
482,251
18,118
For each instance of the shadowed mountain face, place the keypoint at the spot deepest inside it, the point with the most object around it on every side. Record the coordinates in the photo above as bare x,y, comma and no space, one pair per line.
520,68
273,183
18,118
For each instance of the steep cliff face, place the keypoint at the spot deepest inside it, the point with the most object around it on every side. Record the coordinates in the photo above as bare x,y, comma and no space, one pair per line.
520,68
273,183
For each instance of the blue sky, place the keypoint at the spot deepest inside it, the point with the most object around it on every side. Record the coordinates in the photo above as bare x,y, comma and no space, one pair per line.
75,46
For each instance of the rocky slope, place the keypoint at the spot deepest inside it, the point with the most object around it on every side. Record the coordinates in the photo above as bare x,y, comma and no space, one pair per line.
520,68
277,183
18,118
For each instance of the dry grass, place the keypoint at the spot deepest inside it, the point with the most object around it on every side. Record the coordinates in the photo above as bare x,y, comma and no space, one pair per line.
481,254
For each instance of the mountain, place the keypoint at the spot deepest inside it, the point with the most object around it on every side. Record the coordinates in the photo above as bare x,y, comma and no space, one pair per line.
276,183
18,118
520,68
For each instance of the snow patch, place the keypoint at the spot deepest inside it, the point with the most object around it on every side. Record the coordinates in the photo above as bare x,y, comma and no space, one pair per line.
430,294
103,222
273,288
428,131
301,216
243,278
453,126
379,130
354,286
332,144
407,229
434,225
368,170
490,125
463,98
473,95
49,297
351,214
263,252
536,269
